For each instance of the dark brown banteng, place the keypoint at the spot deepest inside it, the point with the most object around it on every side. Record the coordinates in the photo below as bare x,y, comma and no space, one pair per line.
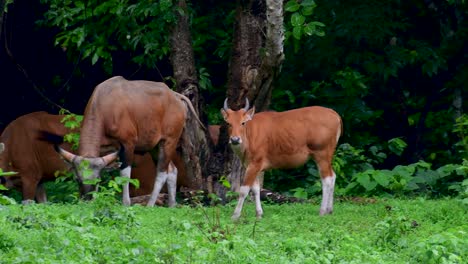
283,140
35,160
140,116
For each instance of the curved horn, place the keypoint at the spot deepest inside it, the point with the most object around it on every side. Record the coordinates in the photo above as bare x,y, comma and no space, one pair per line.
225,107
65,154
110,157
247,105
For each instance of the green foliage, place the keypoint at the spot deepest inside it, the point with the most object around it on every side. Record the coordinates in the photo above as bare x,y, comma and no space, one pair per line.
461,129
204,79
97,29
392,229
4,200
298,15
447,247
397,145
387,231
4,8
384,74
73,122
414,178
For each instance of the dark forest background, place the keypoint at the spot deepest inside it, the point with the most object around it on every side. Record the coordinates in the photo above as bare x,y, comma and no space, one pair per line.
396,71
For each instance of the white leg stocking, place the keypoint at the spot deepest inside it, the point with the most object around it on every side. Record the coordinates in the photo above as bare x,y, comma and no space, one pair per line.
328,187
126,172
243,192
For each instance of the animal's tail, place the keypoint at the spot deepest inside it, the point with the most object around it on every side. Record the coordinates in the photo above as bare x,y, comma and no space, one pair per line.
190,106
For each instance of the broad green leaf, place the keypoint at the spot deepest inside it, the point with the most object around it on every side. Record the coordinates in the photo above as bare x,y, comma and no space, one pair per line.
397,145
292,6
297,32
309,29
95,58
308,3
317,23
297,19
87,173
300,193
320,33
365,180
382,177
307,11
404,171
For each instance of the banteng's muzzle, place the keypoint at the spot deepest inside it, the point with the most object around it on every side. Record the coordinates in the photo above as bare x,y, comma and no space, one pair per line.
235,140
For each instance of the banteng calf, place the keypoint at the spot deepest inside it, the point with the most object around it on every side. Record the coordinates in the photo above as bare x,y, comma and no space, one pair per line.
287,139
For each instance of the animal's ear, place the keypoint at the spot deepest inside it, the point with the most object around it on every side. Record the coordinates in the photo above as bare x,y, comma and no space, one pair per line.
224,113
250,113
2,147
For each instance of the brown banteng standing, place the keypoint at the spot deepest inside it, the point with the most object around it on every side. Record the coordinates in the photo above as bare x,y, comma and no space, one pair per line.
283,140
139,116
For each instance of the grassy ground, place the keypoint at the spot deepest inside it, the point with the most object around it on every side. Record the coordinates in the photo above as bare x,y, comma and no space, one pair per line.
363,231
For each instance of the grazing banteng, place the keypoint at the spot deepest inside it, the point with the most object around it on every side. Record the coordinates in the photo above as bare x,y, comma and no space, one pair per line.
283,140
34,159
140,116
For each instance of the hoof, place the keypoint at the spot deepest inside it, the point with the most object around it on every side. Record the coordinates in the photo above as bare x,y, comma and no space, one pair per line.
259,215
326,212
235,217
27,202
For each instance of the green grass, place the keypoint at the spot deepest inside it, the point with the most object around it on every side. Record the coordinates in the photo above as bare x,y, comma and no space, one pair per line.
384,231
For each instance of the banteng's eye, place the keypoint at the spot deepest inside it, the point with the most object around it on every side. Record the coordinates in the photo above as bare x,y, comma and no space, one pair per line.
243,123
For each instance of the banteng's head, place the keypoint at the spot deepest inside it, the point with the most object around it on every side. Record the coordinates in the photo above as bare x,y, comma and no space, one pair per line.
237,121
87,170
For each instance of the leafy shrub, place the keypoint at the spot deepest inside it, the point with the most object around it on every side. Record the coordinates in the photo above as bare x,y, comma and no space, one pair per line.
391,229
447,247
417,177
6,242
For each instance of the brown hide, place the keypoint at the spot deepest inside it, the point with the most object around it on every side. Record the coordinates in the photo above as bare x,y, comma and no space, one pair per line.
36,161
286,139
138,116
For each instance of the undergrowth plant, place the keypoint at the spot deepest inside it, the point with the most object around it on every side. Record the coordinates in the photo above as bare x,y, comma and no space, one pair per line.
210,225
5,200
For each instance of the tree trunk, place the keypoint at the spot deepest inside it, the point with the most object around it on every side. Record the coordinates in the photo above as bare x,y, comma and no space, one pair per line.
457,103
255,63
193,144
